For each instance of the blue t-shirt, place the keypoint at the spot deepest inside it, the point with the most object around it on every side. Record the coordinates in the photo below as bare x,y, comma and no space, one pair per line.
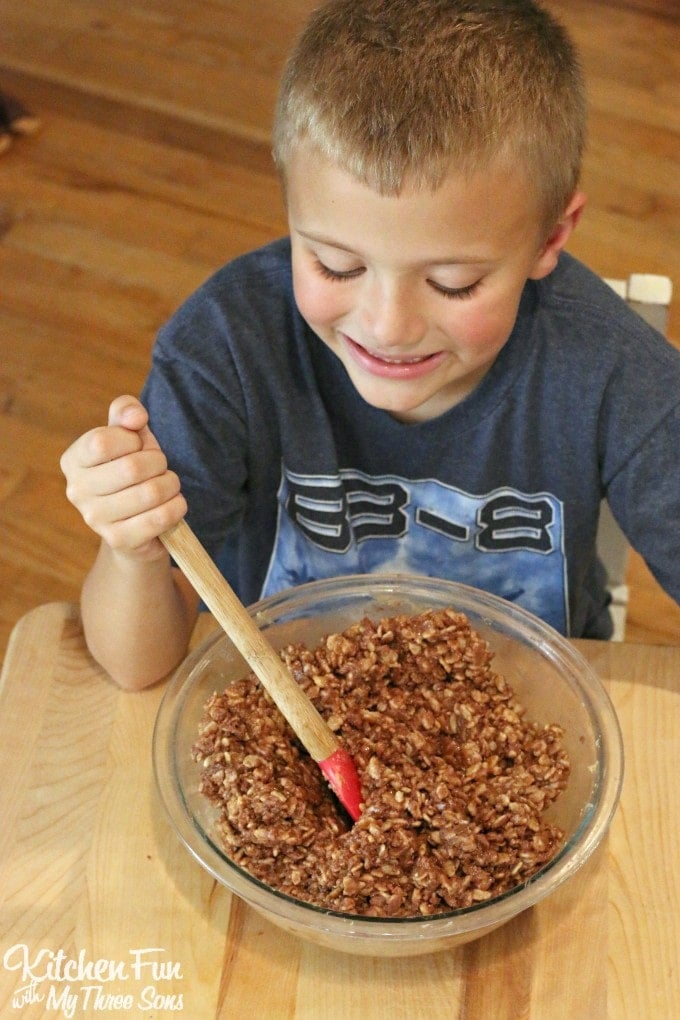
290,476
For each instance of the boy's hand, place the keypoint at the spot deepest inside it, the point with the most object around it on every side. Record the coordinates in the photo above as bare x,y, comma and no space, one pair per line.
118,478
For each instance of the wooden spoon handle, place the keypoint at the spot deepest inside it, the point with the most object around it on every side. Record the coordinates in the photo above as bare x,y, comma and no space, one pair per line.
235,620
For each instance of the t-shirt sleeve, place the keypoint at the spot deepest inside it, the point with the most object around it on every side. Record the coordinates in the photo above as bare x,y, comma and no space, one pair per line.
196,412
645,498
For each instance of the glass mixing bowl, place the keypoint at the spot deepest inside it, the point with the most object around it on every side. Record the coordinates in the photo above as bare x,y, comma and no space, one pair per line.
552,680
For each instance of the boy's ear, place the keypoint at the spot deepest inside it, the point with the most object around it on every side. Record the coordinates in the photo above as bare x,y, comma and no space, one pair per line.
546,259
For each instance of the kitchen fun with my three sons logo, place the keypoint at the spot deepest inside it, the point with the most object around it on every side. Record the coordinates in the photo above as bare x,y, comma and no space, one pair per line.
145,982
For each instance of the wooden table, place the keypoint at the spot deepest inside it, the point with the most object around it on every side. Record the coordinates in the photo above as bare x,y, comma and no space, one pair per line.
103,913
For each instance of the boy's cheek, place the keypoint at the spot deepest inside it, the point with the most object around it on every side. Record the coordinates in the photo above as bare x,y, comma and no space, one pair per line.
315,303
487,326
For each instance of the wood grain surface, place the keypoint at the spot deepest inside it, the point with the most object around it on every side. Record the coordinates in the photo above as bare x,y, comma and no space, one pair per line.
152,168
90,869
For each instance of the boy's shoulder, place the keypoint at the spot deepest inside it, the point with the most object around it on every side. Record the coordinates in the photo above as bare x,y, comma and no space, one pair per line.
576,302
269,261
248,298
255,287
573,286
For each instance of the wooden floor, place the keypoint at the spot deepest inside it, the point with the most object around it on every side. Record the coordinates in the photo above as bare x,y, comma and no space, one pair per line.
152,168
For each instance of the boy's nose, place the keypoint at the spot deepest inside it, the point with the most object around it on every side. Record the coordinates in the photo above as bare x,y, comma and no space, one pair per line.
390,316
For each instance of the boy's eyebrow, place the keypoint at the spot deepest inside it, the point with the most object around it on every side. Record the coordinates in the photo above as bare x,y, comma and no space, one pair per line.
322,239
457,261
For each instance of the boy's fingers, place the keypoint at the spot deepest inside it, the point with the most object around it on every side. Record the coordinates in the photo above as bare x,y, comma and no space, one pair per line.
128,412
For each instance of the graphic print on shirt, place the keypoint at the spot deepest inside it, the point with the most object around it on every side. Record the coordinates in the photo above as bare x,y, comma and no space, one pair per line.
507,542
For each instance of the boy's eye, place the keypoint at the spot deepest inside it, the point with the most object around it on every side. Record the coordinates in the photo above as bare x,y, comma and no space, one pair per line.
337,274
455,292
350,274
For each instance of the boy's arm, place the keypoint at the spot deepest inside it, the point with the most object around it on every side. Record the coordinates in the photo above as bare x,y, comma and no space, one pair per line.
137,617
138,612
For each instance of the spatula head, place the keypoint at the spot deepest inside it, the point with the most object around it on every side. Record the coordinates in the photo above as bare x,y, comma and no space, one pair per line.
340,771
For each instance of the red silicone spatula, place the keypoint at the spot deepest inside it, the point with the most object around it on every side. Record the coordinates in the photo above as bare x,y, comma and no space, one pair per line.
333,760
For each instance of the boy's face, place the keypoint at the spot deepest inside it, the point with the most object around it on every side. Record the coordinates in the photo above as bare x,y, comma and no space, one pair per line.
416,294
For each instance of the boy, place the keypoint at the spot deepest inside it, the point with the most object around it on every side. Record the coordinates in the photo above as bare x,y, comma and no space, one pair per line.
418,378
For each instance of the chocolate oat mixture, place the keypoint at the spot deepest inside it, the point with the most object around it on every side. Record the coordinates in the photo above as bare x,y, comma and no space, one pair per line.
455,779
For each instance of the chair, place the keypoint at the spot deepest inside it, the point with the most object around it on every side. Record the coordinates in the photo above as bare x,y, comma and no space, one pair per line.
650,296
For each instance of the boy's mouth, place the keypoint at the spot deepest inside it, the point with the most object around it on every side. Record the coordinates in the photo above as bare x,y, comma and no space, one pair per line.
392,367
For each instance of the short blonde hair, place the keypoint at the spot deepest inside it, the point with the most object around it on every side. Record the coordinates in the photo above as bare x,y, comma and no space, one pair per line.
397,91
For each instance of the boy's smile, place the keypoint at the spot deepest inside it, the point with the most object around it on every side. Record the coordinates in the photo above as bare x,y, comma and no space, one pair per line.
415,293
380,362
